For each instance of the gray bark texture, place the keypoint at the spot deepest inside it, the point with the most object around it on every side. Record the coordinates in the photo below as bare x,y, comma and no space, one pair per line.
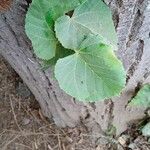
132,21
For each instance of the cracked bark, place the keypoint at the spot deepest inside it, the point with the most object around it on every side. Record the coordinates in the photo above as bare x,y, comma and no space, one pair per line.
132,19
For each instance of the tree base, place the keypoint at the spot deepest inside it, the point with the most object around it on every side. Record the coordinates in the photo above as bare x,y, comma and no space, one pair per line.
132,21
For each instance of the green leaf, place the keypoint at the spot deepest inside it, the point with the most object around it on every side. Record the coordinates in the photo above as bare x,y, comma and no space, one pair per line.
91,74
60,53
146,130
40,24
60,7
39,28
91,17
143,97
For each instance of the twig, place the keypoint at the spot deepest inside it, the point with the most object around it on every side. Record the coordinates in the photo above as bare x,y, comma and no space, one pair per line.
9,142
59,142
15,118
23,145
32,133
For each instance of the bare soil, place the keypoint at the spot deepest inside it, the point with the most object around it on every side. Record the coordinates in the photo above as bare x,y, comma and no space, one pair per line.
23,127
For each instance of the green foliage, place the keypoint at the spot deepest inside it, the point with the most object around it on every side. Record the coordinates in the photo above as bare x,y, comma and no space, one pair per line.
88,71
86,66
39,28
143,97
61,52
40,24
91,17
146,130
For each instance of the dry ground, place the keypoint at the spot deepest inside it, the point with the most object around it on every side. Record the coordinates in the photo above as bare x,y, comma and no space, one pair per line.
23,127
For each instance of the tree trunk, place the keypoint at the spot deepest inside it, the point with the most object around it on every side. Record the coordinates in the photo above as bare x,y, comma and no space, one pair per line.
132,21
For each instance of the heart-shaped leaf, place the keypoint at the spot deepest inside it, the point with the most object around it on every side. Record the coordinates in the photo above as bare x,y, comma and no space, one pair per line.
143,97
93,16
40,24
39,28
92,73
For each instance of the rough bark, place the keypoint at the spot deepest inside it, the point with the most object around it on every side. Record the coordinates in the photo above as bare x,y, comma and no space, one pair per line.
132,20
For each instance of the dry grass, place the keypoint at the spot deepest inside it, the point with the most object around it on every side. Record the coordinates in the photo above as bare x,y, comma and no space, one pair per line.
34,133
23,126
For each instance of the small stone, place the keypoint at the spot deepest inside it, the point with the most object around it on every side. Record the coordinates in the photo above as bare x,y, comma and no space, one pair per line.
123,140
132,146
102,141
26,121
23,90
119,147
99,147
148,112
70,140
